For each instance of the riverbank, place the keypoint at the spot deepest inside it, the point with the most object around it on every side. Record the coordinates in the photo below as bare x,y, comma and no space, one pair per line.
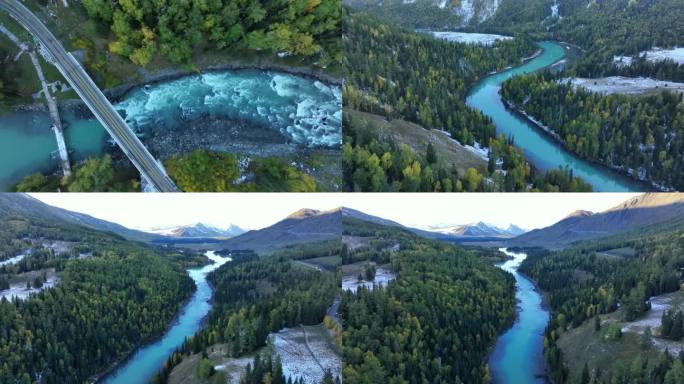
144,343
541,150
249,112
649,186
117,93
518,355
124,358
146,360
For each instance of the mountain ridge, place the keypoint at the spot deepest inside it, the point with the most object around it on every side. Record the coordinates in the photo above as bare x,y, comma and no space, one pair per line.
198,230
479,229
467,231
637,213
23,204
302,226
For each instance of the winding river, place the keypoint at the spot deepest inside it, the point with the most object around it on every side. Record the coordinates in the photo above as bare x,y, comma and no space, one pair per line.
518,355
539,147
148,360
302,110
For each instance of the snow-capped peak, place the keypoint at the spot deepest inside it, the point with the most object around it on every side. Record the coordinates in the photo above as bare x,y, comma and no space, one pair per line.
197,230
478,229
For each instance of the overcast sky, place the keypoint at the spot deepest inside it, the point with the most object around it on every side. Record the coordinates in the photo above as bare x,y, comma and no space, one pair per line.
256,210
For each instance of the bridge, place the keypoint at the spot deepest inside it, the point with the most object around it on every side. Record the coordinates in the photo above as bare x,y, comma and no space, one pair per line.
150,169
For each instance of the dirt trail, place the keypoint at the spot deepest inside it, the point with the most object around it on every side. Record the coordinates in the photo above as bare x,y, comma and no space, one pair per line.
308,347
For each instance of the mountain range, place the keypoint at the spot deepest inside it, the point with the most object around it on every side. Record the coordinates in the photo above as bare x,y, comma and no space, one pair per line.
198,230
650,211
636,214
303,226
25,205
479,229
641,213
474,230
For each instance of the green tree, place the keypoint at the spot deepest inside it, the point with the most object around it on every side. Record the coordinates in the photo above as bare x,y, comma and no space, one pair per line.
203,171
431,155
35,182
205,368
472,180
676,374
95,175
584,379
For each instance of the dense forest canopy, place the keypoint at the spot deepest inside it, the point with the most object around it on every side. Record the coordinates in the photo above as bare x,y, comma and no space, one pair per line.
205,171
582,283
402,74
196,171
643,134
95,174
604,29
255,295
374,163
406,75
175,28
434,323
621,27
102,307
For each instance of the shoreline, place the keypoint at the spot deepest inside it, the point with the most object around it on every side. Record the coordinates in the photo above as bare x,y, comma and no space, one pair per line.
651,186
544,305
98,377
116,93
539,126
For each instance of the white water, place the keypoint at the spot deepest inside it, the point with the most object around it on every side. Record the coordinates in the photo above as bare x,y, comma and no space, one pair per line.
307,112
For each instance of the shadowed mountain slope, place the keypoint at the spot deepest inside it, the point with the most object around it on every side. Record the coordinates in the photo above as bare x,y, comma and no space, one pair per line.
303,226
25,205
634,214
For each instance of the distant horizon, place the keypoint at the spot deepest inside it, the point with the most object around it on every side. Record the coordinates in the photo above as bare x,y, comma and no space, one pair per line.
147,212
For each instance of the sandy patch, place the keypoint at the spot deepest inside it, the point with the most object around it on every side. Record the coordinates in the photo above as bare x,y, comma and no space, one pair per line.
625,85
306,352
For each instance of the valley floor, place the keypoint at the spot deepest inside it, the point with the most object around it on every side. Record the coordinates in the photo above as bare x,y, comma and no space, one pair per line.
625,85
352,272
586,345
305,351
18,284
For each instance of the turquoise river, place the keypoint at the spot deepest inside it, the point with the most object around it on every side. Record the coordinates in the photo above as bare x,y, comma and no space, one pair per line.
145,362
305,111
541,149
518,355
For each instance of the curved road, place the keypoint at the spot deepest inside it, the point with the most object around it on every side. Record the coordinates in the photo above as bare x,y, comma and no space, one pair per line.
103,110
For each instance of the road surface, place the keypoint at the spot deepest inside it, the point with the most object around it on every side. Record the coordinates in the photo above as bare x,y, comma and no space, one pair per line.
84,86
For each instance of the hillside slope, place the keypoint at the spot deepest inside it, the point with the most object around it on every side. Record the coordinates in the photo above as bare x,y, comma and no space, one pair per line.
303,226
25,205
634,214
431,13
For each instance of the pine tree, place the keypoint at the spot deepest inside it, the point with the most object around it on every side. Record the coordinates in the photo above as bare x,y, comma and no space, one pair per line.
585,374
431,155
